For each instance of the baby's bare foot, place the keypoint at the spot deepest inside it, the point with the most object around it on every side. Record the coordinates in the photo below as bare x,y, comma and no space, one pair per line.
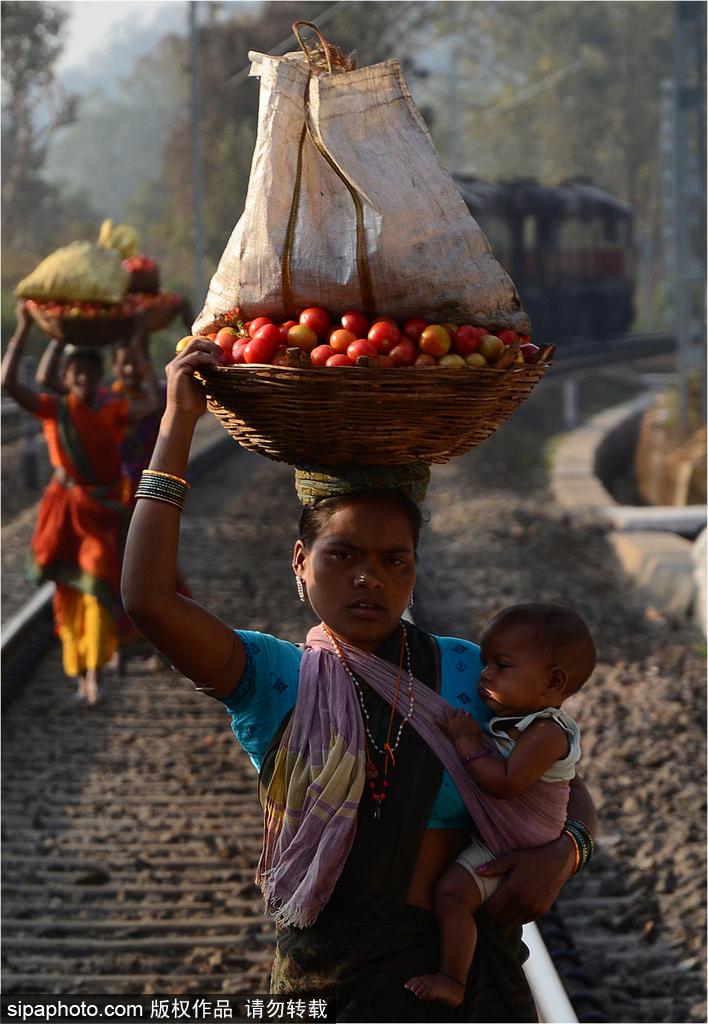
438,988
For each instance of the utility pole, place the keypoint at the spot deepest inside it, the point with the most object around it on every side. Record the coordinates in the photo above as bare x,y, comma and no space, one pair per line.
689,195
454,127
197,154
667,198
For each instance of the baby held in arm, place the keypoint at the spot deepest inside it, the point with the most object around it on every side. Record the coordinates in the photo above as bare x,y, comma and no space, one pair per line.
534,657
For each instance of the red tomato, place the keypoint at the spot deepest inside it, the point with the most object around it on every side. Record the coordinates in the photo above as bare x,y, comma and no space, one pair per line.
386,362
226,337
260,321
317,319
436,340
340,339
467,339
285,327
269,333
302,336
404,353
361,347
260,350
425,359
414,327
355,322
508,336
320,355
384,334
237,351
339,359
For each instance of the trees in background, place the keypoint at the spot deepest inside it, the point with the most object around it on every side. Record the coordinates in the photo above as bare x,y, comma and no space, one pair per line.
550,90
34,212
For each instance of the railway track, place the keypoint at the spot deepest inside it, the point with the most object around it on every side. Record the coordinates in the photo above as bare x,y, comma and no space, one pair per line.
131,830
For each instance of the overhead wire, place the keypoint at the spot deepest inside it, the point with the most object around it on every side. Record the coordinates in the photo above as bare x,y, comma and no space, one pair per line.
286,43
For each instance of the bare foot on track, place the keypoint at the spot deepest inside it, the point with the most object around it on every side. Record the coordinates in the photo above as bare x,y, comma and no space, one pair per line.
438,988
91,687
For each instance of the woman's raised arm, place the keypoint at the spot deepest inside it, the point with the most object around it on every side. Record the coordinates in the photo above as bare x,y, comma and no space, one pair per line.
197,642
48,375
138,408
9,374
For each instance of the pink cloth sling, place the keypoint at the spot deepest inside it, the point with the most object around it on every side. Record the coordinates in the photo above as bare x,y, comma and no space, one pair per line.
312,799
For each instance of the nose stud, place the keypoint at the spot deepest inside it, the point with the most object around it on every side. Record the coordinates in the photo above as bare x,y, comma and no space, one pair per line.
360,581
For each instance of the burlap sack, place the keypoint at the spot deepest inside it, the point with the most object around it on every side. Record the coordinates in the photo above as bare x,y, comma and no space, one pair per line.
389,234
79,272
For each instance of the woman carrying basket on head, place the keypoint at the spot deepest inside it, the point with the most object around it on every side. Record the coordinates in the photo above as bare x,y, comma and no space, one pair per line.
76,537
346,741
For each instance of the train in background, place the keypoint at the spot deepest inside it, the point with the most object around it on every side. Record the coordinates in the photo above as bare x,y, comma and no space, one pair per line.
568,249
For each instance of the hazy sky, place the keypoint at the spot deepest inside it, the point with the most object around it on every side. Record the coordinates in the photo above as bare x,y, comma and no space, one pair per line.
93,23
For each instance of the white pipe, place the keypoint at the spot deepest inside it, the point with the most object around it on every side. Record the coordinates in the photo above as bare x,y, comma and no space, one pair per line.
550,997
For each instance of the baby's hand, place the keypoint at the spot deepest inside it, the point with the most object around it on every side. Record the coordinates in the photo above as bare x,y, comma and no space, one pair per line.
456,723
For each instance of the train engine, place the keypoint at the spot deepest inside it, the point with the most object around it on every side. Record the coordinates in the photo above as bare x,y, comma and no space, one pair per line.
568,248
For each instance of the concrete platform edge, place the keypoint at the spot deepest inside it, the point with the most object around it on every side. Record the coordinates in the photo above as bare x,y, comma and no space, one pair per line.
668,567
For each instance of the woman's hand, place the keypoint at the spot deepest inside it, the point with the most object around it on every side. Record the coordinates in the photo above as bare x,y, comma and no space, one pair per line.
456,723
534,878
184,395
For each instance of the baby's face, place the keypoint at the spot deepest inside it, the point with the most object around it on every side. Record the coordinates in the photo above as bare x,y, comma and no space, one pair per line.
515,677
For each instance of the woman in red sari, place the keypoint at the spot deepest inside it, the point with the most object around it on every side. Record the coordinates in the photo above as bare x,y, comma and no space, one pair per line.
76,538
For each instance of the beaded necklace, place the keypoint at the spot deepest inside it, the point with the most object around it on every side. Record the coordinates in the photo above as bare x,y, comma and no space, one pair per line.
388,750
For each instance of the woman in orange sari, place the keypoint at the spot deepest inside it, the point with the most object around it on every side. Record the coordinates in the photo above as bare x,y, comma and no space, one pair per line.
76,537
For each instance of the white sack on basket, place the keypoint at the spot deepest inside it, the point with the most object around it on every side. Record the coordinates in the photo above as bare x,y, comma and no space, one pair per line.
426,253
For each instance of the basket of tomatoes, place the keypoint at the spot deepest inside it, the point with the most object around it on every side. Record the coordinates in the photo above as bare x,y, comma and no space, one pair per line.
373,391
82,323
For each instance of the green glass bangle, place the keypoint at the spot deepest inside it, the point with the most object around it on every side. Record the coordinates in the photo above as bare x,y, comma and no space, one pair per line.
582,838
157,497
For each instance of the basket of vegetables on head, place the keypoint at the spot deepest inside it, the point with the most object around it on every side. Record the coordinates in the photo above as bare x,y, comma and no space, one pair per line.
85,293
361,314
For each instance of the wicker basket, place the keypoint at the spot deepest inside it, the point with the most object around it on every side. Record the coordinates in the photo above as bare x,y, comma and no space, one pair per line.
82,330
362,415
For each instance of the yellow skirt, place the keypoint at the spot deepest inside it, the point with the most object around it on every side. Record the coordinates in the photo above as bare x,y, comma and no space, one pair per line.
87,630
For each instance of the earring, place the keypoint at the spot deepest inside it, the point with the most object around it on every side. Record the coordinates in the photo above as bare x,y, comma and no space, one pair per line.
410,599
300,587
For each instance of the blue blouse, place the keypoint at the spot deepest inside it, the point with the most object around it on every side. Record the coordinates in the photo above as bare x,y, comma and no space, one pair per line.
268,689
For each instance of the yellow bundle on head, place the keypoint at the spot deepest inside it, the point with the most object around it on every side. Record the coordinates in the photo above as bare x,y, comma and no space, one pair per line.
121,237
79,272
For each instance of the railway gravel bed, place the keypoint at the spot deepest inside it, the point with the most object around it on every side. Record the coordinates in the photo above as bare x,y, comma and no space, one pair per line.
131,830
